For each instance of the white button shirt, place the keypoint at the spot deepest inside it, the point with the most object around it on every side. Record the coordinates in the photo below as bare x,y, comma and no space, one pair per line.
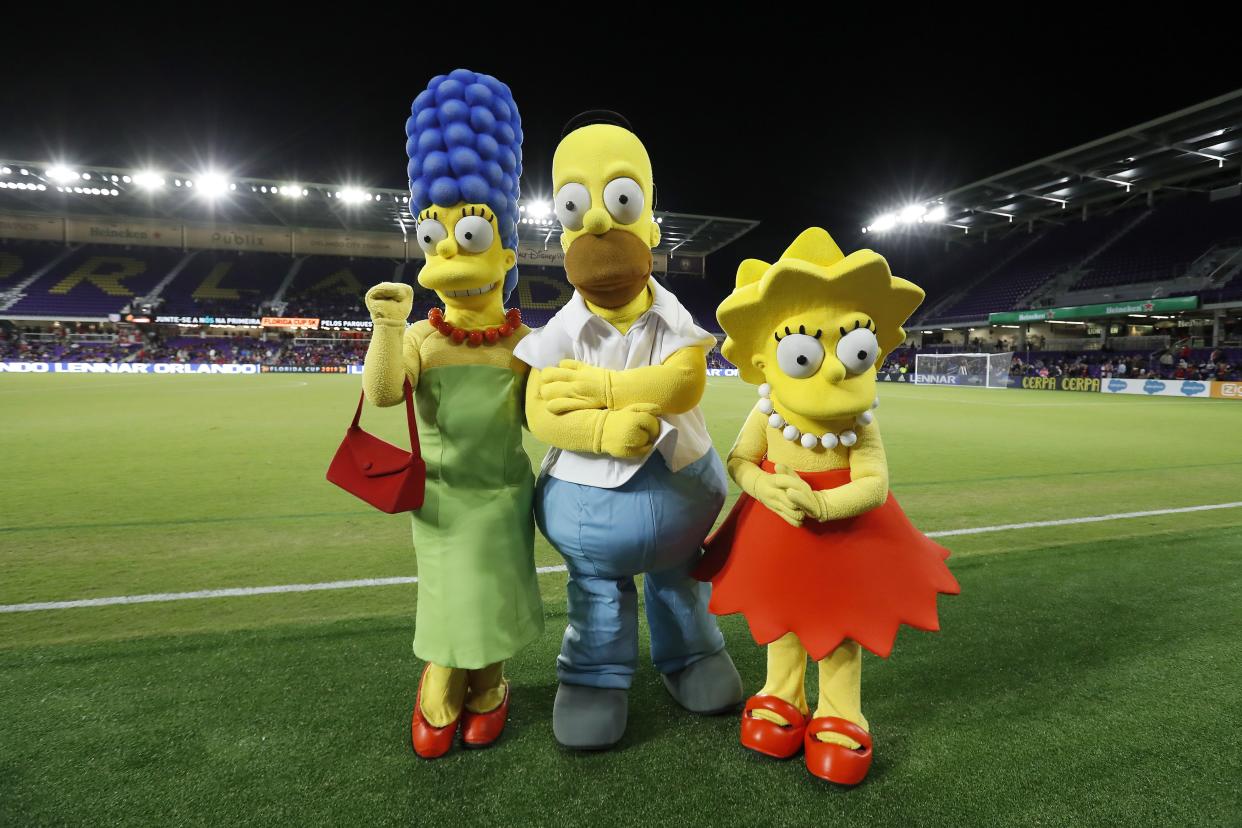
577,333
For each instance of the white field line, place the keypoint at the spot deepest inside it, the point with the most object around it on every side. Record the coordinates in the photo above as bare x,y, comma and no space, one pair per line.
235,592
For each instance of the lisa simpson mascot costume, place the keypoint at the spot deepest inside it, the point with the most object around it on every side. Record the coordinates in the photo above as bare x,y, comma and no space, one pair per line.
632,484
817,554
478,598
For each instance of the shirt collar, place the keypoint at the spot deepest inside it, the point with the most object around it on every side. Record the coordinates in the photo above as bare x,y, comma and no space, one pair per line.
576,314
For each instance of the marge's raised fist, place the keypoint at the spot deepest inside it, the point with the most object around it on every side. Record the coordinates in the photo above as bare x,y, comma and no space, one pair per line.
391,301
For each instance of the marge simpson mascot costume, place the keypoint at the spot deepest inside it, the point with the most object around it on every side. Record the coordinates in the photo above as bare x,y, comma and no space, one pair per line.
817,554
478,599
632,483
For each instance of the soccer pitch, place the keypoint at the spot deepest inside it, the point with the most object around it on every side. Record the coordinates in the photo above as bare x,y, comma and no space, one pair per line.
1089,673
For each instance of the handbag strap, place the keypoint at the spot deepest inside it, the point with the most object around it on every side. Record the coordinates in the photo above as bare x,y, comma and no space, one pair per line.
411,422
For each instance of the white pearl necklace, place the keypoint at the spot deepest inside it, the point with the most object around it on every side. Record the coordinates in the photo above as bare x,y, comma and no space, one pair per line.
809,441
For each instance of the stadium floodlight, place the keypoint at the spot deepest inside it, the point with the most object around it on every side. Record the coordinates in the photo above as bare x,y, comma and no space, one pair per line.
62,174
538,209
211,184
292,191
884,223
911,213
936,214
352,195
149,179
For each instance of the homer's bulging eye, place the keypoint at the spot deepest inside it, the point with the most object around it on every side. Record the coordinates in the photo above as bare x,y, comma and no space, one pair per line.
572,202
799,355
624,199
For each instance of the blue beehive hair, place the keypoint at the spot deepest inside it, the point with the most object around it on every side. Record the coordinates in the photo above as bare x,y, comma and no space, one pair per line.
464,141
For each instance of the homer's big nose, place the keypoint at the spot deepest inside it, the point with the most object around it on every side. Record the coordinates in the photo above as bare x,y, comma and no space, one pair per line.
446,248
597,222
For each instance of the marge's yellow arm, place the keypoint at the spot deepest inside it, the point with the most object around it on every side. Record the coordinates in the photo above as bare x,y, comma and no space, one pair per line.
392,356
867,462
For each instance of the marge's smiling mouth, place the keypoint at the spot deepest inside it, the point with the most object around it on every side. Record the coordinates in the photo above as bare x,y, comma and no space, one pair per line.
457,294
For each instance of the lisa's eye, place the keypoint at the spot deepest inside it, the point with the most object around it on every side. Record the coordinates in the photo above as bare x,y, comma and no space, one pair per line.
858,350
799,356
572,202
430,233
624,200
474,234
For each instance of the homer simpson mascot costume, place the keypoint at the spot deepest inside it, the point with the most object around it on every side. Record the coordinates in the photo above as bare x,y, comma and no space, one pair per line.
478,598
817,554
632,484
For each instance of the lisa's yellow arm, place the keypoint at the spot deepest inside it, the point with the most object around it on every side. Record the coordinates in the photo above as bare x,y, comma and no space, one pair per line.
392,357
868,486
748,451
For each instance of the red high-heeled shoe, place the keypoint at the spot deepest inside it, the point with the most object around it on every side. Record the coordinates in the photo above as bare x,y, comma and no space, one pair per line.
478,730
430,742
833,762
767,737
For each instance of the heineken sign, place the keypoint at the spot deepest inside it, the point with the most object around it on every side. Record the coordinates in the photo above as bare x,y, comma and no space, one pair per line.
1179,303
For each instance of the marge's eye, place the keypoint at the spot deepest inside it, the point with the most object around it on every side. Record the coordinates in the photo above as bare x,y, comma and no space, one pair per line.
624,200
572,202
474,234
430,233
858,350
799,356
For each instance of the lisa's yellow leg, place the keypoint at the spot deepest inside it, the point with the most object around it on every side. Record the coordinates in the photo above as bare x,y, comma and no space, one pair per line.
840,691
786,676
486,688
444,693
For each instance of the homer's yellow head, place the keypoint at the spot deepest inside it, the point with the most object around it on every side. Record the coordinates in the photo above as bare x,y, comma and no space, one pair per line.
466,260
813,324
601,176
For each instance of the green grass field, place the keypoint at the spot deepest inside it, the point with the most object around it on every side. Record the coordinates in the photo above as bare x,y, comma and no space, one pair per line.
1088,674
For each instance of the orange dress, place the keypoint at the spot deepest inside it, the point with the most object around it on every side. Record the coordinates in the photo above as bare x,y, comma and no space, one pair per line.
857,578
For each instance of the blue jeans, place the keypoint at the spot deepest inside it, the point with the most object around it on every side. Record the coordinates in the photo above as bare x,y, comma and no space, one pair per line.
653,525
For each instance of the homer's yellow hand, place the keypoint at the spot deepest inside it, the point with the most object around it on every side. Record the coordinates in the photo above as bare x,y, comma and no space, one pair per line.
390,302
574,386
631,431
785,493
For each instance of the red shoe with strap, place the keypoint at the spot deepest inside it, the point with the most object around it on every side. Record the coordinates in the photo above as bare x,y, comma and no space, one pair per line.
769,738
430,742
478,730
834,762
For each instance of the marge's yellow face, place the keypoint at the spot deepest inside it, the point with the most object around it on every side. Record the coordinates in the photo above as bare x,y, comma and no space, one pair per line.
465,258
601,180
821,365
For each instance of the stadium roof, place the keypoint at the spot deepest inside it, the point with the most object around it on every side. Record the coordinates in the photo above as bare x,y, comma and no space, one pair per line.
112,192
1196,149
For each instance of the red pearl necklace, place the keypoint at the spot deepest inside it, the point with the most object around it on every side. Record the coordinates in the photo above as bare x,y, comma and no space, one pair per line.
475,338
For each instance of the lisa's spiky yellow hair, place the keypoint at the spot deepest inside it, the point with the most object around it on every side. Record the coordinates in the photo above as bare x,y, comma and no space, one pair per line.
812,275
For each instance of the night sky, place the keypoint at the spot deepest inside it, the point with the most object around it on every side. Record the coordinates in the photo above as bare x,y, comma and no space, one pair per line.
830,130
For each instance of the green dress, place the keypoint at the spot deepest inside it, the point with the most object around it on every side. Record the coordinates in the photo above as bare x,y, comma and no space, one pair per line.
478,597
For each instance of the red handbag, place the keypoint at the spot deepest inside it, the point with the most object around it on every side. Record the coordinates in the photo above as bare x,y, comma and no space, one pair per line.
389,478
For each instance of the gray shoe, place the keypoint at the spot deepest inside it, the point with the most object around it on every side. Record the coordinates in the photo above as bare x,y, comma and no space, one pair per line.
589,718
709,685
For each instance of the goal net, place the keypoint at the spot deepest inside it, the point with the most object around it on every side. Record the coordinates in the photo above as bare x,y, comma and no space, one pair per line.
981,370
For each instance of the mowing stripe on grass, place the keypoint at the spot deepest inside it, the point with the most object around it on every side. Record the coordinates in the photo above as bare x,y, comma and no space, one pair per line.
235,592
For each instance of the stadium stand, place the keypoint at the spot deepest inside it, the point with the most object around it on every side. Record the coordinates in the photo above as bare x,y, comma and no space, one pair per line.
94,280
333,287
1165,244
225,284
